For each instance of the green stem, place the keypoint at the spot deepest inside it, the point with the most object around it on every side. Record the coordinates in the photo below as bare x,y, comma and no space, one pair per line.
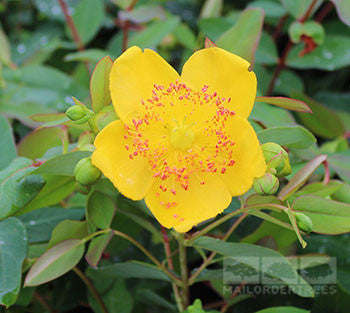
213,225
184,272
175,279
171,266
207,261
268,206
92,288
100,232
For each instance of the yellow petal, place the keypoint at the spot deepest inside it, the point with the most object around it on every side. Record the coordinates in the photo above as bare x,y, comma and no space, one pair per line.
188,207
224,73
132,78
248,157
132,177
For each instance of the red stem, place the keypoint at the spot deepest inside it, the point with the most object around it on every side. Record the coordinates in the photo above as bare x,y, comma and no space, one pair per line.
326,173
167,248
282,61
324,12
126,26
279,26
71,25
235,293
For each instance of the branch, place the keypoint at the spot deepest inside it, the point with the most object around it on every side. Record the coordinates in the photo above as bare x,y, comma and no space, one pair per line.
92,288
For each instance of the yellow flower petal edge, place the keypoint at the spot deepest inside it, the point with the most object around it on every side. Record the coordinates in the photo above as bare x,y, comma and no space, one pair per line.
184,143
133,178
225,73
132,77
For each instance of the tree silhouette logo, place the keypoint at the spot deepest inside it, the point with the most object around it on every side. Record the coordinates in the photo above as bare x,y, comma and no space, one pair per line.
235,272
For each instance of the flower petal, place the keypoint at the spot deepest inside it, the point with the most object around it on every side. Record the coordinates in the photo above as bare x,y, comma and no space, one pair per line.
224,73
195,205
248,157
132,78
132,177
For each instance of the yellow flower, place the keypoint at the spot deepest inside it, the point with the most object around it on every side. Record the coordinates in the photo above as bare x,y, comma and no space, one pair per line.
183,143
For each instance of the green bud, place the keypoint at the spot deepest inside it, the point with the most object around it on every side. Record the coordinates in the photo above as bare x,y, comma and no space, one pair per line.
266,185
86,173
276,159
295,31
82,189
342,194
75,113
304,222
314,30
79,114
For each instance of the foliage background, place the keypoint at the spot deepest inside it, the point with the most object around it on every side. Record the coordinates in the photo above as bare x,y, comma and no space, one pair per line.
42,65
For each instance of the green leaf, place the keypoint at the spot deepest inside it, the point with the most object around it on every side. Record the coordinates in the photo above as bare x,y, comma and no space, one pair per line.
243,38
55,190
286,103
301,177
299,7
146,224
271,8
7,142
185,36
323,122
288,82
154,33
340,163
283,309
63,164
293,221
5,53
271,116
37,89
333,54
213,27
328,216
100,209
10,188
55,262
267,51
211,8
131,269
318,189
97,247
68,229
41,222
27,189
152,298
117,298
292,137
142,14
99,84
271,230
343,10
88,18
247,254
13,250
89,55
36,143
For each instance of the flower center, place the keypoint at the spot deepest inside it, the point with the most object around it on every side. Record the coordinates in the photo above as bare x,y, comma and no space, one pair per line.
182,137
182,133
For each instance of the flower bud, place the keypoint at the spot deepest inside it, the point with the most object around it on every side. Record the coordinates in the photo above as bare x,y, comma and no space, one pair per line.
82,189
75,113
276,159
304,222
86,173
266,185
78,114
